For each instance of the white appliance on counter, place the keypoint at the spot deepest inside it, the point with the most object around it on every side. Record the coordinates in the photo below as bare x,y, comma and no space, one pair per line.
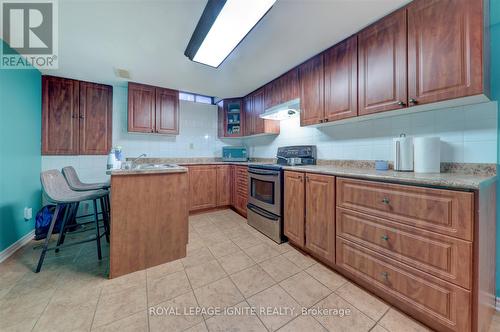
403,153
427,154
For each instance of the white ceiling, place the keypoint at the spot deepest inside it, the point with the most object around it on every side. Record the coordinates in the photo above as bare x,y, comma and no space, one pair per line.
148,38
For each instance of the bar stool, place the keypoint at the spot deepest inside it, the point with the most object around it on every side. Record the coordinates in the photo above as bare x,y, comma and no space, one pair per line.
57,191
76,184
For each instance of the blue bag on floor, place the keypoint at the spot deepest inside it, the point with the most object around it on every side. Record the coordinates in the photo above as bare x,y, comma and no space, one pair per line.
43,219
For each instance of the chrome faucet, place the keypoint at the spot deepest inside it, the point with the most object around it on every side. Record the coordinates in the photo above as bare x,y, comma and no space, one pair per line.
142,155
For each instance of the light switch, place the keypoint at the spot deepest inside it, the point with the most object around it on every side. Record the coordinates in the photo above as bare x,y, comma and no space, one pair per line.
28,213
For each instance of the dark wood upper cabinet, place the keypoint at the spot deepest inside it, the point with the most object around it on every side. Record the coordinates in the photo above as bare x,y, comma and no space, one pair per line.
382,76
76,117
311,80
141,108
152,109
167,114
290,85
60,115
96,113
445,57
272,93
249,114
258,109
341,80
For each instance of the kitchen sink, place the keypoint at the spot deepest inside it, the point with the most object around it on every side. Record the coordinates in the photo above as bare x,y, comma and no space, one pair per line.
154,166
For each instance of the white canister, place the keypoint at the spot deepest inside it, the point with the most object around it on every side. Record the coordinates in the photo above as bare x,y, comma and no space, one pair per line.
427,154
403,153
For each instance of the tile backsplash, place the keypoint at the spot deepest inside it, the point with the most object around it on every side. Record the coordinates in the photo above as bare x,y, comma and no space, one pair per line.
468,135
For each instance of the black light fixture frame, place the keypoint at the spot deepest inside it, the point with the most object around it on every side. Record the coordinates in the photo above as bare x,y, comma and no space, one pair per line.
207,19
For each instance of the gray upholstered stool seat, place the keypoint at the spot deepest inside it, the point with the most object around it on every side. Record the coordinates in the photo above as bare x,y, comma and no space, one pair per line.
76,184
57,191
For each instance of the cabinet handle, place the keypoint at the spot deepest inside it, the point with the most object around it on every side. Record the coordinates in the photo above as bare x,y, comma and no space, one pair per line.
385,275
401,103
385,237
321,121
413,101
385,200
82,117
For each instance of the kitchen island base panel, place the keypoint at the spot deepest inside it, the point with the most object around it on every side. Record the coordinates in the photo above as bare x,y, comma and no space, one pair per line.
149,221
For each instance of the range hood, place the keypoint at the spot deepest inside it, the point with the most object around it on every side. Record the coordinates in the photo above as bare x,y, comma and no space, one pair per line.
283,111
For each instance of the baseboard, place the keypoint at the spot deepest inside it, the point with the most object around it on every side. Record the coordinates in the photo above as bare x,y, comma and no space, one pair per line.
497,306
6,253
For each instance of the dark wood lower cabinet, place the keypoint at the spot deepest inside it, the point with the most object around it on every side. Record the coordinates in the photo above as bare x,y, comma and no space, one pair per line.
362,229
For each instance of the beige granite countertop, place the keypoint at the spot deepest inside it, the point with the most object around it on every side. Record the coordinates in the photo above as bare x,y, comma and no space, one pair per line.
176,169
447,180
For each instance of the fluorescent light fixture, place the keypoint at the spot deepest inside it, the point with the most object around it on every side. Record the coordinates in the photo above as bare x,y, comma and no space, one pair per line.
222,26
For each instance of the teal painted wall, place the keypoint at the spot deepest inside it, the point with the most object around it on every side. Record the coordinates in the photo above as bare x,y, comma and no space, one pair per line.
495,95
20,151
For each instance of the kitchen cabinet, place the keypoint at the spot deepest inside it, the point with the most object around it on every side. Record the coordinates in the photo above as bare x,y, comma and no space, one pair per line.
223,185
341,80
311,83
294,207
202,187
290,85
309,213
445,50
152,109
231,118
320,216
76,117
382,48
240,189
253,108
272,93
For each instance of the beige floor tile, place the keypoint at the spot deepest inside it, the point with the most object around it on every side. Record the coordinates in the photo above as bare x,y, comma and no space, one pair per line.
214,238
137,322
201,275
223,249
299,259
335,321
194,245
261,252
370,305
275,298
197,257
326,276
135,279
69,313
115,306
395,321
252,280
166,288
242,321
180,318
163,270
222,293
207,228
201,327
235,262
19,312
378,328
305,289
303,323
279,268
282,248
245,242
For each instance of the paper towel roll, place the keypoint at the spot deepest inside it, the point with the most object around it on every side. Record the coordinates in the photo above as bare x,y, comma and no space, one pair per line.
427,154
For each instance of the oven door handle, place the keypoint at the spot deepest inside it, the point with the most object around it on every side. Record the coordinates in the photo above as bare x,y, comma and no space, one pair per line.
262,212
262,172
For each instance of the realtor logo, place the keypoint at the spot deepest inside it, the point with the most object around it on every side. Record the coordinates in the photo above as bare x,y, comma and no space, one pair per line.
30,30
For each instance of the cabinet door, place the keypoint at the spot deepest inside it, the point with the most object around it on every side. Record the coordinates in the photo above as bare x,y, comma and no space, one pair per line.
444,50
60,116
141,108
311,79
294,208
202,187
320,215
167,111
248,111
96,108
223,185
272,94
258,107
290,85
341,80
382,51
220,119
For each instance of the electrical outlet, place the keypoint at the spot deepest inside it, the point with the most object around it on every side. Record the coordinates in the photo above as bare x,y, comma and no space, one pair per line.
28,213
191,146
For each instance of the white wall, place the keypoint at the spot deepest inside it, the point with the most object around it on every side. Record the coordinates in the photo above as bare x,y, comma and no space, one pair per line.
198,126
468,134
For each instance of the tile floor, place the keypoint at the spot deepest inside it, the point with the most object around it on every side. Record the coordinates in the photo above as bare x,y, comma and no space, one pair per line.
229,264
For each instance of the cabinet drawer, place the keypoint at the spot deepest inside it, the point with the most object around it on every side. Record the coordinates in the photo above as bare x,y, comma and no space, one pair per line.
440,304
443,211
442,256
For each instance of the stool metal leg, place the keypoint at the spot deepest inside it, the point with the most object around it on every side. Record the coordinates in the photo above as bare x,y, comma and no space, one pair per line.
98,236
47,239
105,219
68,211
